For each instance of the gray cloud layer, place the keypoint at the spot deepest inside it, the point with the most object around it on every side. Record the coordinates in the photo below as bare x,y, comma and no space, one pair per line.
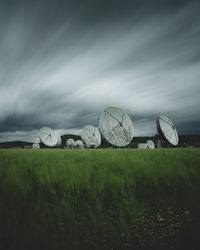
62,64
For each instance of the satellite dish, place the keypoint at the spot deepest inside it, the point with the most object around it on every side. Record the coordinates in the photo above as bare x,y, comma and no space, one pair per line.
78,144
116,126
91,136
59,141
70,143
150,144
49,137
36,140
36,146
167,130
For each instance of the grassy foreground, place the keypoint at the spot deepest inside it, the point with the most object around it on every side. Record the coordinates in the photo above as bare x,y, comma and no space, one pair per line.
100,199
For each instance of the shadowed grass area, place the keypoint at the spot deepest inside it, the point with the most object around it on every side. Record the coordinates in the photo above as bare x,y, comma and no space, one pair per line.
100,199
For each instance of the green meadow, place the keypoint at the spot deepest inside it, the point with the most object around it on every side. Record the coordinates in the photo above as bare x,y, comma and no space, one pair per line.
99,199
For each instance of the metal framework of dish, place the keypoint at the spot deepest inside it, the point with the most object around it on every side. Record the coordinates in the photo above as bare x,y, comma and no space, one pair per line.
59,141
159,143
150,144
142,145
36,146
91,136
49,137
167,130
116,126
79,144
70,143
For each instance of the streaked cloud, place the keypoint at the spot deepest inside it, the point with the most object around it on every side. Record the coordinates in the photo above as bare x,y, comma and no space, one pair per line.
61,65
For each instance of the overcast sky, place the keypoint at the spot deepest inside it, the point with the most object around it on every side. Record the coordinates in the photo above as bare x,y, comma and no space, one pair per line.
63,62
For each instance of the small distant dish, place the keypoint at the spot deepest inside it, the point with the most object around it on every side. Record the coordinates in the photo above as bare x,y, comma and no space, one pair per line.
36,146
70,143
150,144
116,126
78,144
91,136
49,137
167,130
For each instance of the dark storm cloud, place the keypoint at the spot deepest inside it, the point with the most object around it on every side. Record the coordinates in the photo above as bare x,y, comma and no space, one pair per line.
63,62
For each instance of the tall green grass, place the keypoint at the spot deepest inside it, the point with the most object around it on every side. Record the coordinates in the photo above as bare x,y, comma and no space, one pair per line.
100,199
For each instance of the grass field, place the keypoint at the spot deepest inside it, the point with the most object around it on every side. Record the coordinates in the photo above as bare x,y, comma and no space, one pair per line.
100,199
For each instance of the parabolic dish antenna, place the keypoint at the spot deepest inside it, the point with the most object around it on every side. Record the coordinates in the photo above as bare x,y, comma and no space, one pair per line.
70,143
91,136
58,139
167,129
150,144
78,144
116,126
49,137
36,145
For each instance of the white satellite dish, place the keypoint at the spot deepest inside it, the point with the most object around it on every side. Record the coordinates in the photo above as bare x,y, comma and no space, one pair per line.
70,143
91,136
36,146
59,141
36,140
78,144
167,130
49,137
150,144
116,126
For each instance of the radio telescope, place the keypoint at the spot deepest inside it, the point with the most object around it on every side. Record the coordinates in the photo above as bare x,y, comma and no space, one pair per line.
166,130
116,126
78,144
36,146
70,143
59,141
150,144
49,137
91,136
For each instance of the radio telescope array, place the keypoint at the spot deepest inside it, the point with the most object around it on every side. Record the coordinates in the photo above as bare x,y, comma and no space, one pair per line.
116,126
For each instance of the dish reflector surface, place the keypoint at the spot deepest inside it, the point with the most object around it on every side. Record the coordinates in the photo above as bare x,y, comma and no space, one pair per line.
48,136
58,139
116,126
70,142
150,144
79,144
91,136
167,129
36,145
